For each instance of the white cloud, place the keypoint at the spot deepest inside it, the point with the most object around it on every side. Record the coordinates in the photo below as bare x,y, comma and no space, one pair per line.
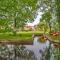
37,20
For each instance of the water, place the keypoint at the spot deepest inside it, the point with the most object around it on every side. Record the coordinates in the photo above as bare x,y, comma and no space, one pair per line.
37,51
39,48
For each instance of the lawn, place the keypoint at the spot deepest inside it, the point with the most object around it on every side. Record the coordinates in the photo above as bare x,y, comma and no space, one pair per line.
54,38
24,36
20,36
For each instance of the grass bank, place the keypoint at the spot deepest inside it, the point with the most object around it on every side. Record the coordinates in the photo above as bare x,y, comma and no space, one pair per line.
20,36
54,38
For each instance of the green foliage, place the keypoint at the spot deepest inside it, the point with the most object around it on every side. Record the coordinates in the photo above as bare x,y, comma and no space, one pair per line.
46,16
43,26
58,11
18,12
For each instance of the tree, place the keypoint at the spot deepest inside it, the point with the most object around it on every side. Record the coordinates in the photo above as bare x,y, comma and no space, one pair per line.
42,26
18,11
47,17
57,5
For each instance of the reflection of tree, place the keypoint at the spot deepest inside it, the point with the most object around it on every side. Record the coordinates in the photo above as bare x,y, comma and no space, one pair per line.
15,52
45,54
57,54
47,57
19,52
49,53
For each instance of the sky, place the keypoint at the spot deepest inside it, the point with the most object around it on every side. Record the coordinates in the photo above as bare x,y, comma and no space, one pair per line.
36,20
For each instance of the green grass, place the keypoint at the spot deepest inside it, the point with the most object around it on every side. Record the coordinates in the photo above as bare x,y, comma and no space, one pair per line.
17,37
20,36
55,38
24,36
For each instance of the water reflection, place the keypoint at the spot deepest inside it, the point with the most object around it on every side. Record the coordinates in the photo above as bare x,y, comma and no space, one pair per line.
37,51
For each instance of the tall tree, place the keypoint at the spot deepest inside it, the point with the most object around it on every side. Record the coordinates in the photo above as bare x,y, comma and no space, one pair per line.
57,5
18,11
47,17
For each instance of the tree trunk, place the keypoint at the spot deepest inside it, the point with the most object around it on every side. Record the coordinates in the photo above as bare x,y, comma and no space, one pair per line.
14,30
50,27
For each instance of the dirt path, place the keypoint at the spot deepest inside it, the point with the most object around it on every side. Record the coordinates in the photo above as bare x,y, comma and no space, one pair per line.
17,42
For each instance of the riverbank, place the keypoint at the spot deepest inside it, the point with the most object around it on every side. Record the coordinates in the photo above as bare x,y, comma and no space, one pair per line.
54,38
23,37
20,36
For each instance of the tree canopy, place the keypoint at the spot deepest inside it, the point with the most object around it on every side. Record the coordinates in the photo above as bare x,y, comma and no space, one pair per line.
15,13
18,12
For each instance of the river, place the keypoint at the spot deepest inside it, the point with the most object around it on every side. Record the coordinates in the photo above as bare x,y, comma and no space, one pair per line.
37,51
40,49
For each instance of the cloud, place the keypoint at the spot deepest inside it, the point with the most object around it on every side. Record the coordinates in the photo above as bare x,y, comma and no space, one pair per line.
37,20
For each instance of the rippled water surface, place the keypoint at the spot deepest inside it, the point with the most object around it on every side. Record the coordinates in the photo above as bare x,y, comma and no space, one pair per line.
37,51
